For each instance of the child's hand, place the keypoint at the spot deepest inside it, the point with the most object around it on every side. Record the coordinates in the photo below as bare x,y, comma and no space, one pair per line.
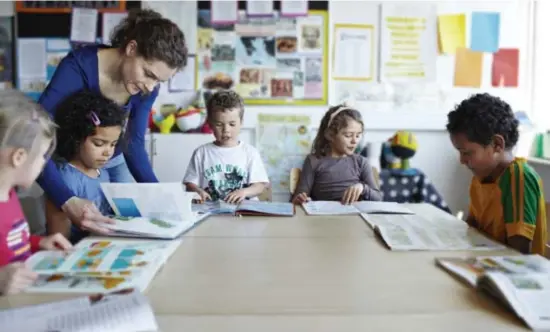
300,199
353,193
235,197
15,278
55,242
204,196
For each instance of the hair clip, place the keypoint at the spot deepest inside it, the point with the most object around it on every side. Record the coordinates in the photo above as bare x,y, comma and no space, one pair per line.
95,120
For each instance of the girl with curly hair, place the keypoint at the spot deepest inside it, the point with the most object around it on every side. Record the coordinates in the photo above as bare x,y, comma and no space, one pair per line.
90,127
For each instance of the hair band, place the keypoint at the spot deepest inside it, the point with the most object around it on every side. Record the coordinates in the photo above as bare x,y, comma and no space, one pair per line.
338,111
95,120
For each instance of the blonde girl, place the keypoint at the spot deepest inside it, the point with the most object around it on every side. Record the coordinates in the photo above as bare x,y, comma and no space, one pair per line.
333,172
27,138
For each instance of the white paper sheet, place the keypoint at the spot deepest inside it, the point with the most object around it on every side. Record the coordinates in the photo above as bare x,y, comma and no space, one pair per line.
182,13
224,11
354,53
84,25
184,80
294,7
110,21
259,8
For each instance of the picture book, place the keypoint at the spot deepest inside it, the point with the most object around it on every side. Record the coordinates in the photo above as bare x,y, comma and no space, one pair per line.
247,207
125,311
414,232
318,208
151,210
521,283
100,265
151,227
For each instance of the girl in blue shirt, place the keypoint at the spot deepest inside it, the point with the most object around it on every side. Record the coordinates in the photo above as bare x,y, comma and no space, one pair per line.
90,127
146,49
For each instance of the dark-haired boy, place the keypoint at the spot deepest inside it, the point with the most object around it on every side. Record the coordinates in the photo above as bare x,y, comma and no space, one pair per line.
506,196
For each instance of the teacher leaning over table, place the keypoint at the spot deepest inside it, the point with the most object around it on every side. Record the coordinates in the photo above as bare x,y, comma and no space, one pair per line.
146,49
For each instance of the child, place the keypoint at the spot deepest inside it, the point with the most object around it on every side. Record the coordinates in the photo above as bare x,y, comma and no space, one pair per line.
227,169
333,172
27,136
506,197
90,126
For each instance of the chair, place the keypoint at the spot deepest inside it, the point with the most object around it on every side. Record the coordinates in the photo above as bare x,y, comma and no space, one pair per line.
295,178
547,252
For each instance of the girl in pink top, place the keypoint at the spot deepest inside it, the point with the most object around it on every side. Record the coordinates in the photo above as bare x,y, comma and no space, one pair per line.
27,137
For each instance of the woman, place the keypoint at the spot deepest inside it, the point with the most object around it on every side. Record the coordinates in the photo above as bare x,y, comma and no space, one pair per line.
146,50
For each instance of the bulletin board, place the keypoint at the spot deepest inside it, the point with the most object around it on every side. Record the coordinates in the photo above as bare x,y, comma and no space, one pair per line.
267,60
66,6
391,102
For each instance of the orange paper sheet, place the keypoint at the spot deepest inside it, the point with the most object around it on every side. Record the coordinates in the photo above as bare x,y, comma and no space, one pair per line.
468,68
451,33
505,71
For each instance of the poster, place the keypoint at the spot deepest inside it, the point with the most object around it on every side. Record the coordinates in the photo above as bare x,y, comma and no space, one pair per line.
283,141
408,43
267,60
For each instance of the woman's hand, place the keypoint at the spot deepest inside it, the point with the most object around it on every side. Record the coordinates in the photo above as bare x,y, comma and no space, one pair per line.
353,193
55,242
300,199
85,215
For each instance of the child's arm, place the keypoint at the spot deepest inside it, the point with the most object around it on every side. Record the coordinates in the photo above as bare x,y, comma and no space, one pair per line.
15,277
192,176
371,192
521,209
56,220
257,179
305,183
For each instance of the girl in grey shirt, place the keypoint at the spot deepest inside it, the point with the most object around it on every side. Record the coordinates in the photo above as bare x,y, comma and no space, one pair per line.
333,172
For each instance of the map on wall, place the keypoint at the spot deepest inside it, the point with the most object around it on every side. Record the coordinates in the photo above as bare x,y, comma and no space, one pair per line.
283,142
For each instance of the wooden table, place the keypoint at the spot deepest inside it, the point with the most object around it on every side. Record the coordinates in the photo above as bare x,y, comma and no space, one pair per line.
308,274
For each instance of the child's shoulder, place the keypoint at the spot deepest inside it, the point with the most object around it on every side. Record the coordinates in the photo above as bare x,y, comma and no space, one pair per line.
520,174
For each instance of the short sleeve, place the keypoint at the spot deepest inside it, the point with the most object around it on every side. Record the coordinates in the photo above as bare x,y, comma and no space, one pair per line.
256,168
521,195
192,174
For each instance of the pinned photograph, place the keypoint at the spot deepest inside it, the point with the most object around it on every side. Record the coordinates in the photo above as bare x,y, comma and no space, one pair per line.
286,44
281,88
314,70
249,76
310,36
289,64
256,51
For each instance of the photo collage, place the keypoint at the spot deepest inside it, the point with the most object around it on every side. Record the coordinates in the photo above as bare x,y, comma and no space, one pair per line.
264,58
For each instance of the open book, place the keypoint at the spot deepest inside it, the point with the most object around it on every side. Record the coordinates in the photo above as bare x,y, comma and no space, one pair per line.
247,207
100,266
317,208
413,232
521,283
127,311
152,210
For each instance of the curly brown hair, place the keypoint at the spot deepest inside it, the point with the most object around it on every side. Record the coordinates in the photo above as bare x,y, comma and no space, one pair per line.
222,101
331,125
157,38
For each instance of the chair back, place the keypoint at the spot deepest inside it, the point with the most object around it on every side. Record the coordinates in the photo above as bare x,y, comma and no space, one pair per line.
294,179
376,175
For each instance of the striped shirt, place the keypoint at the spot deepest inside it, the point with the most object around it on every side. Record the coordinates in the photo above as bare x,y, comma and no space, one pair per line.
16,243
513,205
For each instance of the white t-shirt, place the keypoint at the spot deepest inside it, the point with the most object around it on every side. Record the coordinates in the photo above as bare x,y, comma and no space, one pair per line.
221,170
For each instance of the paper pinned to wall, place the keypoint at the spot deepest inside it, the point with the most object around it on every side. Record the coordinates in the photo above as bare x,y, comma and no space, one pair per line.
408,43
468,68
485,32
224,12
257,8
110,21
452,32
505,69
353,51
84,25
184,80
183,13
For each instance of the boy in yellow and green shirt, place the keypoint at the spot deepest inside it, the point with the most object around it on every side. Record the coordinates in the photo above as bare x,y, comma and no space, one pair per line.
506,196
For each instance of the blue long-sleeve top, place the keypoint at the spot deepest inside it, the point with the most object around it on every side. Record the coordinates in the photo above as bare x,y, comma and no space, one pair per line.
79,71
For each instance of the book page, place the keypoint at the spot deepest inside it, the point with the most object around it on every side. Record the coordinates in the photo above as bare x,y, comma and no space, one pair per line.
214,207
413,232
381,207
150,200
120,313
271,208
153,227
527,294
328,208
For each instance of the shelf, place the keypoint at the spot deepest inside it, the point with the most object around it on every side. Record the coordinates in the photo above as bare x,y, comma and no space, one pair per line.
538,161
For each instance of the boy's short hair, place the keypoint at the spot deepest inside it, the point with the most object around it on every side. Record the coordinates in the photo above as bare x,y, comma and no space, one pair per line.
224,100
483,116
